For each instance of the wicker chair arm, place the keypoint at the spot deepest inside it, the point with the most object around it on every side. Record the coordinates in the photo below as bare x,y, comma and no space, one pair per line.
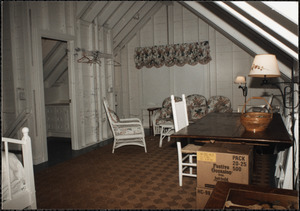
130,120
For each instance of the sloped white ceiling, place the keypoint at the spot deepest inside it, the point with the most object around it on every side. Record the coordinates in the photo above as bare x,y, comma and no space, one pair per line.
54,60
124,18
276,33
254,35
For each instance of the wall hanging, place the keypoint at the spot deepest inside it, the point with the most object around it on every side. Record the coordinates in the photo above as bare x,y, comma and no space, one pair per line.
174,54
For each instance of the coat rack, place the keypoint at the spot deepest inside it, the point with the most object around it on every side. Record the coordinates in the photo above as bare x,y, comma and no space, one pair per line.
91,57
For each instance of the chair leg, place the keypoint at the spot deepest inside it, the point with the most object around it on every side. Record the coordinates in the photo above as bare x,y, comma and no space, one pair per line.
143,139
179,163
165,131
161,136
191,161
113,149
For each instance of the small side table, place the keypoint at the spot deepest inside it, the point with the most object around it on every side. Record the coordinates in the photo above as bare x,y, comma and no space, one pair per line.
167,129
151,110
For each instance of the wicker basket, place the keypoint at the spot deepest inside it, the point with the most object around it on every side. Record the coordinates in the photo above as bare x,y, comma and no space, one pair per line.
256,121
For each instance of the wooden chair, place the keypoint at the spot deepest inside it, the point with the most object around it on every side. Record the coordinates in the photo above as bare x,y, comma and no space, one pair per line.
187,154
128,131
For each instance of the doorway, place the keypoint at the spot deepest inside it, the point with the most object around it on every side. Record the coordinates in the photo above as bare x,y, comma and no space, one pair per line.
56,95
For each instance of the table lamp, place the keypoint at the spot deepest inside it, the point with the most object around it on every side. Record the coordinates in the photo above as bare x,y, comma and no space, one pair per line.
266,66
242,80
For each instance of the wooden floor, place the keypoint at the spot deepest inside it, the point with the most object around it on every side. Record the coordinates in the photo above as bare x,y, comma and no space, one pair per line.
60,150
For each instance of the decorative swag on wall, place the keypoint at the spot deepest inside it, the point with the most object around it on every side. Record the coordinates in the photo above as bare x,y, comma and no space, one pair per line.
169,55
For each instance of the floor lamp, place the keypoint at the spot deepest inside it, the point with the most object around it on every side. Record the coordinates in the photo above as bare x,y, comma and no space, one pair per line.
265,66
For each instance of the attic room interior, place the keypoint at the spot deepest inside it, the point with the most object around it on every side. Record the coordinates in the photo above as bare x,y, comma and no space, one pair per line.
74,71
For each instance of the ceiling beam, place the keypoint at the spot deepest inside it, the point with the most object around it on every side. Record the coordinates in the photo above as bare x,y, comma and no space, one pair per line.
134,25
118,14
251,31
263,26
59,69
93,10
277,17
82,6
108,11
236,36
127,17
50,60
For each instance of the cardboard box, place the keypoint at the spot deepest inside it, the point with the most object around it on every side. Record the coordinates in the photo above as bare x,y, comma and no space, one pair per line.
224,162
202,196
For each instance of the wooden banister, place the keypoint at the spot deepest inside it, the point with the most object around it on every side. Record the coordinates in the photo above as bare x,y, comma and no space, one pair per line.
17,124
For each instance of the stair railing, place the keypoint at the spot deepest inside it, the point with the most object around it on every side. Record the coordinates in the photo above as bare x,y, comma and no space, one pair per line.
17,124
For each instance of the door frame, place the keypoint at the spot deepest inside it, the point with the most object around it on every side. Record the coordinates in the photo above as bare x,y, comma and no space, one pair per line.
40,106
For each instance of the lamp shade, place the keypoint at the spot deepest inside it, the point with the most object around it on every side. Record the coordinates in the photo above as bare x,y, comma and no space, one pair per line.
240,80
264,65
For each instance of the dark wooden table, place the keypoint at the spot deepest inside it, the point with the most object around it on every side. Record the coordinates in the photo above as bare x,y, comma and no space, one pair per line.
227,127
250,194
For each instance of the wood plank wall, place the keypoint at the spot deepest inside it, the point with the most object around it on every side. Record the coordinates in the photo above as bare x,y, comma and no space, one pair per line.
148,87
130,89
27,23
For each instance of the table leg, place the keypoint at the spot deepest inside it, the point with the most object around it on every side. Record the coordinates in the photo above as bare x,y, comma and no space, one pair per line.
150,123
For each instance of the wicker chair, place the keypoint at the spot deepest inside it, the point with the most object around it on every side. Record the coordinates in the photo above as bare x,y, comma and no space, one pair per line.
128,131
163,115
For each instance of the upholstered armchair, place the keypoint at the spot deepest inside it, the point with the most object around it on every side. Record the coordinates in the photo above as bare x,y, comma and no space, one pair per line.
196,106
219,104
163,115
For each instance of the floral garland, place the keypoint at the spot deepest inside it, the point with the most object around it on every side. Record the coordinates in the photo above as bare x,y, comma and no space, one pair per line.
169,55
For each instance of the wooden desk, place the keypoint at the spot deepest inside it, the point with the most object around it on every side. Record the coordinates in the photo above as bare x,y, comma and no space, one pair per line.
249,195
227,127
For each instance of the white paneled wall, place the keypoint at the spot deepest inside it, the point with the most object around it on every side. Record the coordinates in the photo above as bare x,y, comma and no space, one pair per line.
97,82
8,93
30,21
175,24
135,90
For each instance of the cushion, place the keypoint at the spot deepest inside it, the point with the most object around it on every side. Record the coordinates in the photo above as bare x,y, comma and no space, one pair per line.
167,102
162,121
197,112
128,130
165,113
195,100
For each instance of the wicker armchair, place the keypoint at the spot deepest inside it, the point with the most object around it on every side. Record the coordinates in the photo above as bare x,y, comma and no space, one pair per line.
128,131
163,115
